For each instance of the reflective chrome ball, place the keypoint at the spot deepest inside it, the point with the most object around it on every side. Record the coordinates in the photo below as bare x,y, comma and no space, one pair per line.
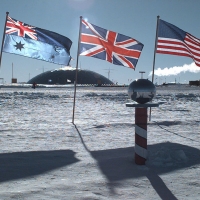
141,91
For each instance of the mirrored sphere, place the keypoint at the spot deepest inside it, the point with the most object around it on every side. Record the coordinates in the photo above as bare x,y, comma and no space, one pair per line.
141,91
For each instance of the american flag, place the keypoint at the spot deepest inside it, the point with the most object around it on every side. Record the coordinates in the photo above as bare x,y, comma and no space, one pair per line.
172,40
108,45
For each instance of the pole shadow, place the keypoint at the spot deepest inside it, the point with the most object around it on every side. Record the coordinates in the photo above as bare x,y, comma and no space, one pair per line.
19,165
118,164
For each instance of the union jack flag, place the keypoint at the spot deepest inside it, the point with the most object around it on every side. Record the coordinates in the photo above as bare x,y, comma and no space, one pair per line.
108,45
20,29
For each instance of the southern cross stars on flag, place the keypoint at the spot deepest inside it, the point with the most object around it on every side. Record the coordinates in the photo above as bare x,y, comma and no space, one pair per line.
34,42
172,40
108,45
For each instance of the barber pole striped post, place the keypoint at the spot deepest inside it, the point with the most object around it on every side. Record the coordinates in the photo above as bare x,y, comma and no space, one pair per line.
141,130
140,135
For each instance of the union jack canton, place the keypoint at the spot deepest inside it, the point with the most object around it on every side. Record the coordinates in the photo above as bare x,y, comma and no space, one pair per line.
108,45
20,29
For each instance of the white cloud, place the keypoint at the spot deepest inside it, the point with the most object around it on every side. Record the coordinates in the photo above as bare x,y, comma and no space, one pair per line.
176,70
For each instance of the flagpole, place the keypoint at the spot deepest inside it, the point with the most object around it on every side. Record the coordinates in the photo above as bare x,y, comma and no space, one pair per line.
3,37
76,69
154,58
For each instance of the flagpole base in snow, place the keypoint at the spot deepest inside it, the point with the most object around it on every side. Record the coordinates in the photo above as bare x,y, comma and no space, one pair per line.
141,130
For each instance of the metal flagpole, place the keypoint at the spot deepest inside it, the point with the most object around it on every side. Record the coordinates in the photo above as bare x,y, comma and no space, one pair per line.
3,37
154,58
76,70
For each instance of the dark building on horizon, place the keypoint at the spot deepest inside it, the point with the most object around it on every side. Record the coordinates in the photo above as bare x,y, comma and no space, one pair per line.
196,83
66,75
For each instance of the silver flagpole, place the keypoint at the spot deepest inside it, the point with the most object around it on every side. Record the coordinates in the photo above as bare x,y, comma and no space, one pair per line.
3,37
76,69
154,58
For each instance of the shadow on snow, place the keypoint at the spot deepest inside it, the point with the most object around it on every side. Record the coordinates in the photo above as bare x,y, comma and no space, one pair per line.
19,165
118,164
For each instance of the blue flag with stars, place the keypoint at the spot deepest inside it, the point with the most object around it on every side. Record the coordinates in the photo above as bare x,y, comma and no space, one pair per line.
33,42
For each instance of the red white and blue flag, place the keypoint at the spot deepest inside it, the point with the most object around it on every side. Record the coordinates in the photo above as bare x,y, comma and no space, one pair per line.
34,42
110,46
20,29
172,40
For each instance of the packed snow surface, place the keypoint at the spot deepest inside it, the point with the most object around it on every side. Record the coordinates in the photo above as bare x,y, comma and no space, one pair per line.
45,156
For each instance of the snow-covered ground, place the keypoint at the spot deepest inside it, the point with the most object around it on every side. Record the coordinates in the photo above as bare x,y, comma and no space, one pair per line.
44,156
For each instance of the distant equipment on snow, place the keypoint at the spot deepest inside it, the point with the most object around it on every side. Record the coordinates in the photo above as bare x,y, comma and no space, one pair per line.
196,83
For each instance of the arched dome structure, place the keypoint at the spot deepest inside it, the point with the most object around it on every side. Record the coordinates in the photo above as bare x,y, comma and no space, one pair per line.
66,75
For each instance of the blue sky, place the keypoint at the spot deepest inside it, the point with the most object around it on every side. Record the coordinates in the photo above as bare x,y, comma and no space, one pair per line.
134,18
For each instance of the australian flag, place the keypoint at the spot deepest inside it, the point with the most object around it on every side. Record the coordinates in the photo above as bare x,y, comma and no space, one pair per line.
33,42
108,45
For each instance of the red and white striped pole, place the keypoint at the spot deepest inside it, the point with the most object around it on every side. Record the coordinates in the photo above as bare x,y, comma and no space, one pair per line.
141,91
140,135
141,130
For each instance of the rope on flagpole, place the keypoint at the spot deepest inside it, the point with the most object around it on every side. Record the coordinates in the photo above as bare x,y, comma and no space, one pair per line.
76,70
154,58
3,37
